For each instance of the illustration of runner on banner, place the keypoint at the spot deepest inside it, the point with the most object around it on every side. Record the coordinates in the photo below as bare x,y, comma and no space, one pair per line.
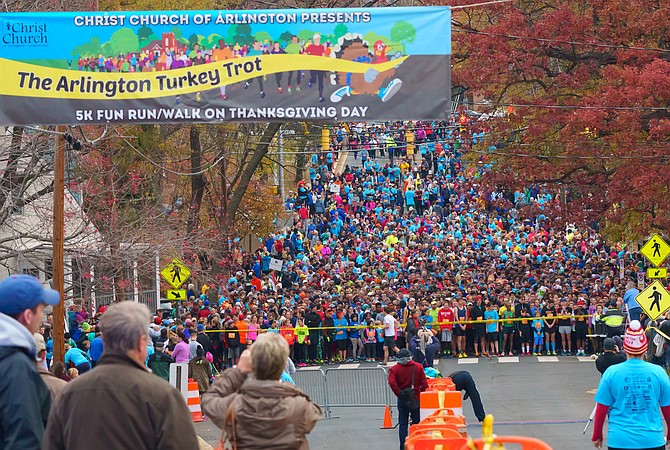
212,66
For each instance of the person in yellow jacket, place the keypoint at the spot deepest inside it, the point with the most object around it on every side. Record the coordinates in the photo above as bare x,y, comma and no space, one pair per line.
301,337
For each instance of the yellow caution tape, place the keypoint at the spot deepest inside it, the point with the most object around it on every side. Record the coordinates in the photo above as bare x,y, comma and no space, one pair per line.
428,325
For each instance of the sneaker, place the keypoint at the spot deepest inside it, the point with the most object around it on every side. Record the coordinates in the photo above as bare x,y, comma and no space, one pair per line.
280,90
554,353
246,85
262,94
309,85
297,88
568,353
339,94
321,99
390,90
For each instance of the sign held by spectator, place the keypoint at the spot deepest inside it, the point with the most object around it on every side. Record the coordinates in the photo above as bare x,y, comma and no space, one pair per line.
276,264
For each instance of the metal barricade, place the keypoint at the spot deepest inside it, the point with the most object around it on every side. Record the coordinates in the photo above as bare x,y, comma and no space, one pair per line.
363,386
313,384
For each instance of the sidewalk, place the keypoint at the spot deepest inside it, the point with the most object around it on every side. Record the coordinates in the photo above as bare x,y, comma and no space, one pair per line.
203,445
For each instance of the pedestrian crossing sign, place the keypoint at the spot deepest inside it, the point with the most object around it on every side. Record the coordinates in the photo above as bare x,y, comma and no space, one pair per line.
655,250
657,273
654,300
176,273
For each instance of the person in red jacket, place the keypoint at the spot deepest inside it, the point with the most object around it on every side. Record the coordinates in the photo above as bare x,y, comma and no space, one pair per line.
400,377
446,314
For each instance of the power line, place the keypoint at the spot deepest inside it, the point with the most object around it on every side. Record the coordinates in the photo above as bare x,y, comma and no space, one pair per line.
587,107
560,41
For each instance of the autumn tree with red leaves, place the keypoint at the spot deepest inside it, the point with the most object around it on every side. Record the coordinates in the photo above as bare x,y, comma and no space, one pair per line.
586,83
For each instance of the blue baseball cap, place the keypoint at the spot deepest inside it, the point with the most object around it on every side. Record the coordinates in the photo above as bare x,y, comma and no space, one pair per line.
21,292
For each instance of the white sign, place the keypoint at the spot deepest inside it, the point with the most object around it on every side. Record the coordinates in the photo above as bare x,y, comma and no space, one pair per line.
275,264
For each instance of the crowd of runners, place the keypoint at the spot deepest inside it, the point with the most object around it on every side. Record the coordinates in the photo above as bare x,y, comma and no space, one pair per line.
395,252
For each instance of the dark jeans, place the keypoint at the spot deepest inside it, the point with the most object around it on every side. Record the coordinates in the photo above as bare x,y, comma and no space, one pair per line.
635,313
312,347
464,382
403,421
83,368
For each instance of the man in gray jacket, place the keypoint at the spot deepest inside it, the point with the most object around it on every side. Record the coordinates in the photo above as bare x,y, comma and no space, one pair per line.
126,405
25,400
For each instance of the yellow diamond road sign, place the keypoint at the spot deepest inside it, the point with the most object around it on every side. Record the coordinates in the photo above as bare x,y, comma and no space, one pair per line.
176,273
176,294
657,273
656,250
654,299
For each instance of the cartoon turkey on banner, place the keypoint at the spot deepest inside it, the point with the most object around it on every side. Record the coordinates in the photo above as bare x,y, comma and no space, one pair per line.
352,47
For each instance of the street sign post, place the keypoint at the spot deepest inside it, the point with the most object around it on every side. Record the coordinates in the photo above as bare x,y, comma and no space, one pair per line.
656,250
657,273
176,273
654,300
176,294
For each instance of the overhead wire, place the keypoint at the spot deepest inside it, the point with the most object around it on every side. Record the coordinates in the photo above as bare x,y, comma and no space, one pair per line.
460,29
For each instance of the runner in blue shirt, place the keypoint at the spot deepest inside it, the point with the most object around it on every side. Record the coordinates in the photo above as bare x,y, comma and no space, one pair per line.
634,393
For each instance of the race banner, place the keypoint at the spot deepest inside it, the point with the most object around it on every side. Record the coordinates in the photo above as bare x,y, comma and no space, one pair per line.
360,64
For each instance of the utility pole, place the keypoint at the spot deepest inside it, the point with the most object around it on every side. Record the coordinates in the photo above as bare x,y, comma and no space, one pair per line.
58,276
280,163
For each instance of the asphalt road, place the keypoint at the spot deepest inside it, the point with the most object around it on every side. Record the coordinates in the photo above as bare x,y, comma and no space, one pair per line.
549,400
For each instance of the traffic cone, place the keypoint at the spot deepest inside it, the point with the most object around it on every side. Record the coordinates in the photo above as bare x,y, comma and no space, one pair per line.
193,401
388,423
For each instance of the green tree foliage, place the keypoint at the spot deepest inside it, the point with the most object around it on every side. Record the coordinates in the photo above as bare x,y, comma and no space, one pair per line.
286,37
243,34
123,40
305,35
145,35
211,41
192,40
177,32
263,37
91,48
403,33
340,30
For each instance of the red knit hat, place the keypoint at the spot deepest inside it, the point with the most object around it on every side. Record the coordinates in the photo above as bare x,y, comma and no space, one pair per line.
635,341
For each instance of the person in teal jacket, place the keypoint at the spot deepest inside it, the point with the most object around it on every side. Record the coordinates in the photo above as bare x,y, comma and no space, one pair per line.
341,335
78,358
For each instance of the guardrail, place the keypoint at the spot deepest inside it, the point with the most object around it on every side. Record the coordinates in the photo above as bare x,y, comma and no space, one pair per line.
346,387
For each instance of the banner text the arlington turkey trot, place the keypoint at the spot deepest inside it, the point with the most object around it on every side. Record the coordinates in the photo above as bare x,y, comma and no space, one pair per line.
214,66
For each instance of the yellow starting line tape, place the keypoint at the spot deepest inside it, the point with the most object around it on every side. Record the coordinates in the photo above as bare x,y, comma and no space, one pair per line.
509,321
